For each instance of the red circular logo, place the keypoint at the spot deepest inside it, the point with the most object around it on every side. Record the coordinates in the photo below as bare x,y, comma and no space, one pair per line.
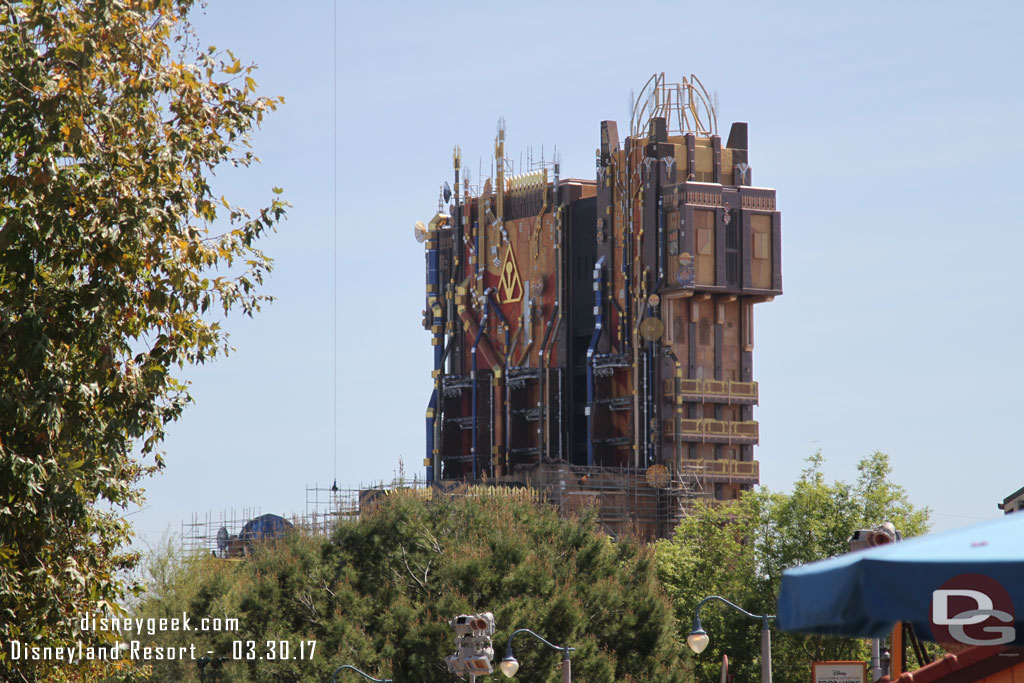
972,609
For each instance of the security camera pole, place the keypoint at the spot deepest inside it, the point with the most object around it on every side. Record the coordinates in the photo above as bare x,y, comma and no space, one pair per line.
863,539
473,647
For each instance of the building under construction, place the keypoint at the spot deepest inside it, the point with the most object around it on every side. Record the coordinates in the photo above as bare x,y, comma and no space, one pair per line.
593,338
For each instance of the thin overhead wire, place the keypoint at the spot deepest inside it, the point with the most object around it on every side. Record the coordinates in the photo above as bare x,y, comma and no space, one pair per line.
334,289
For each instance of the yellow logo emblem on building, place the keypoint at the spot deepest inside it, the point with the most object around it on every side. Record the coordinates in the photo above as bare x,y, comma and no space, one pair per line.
510,286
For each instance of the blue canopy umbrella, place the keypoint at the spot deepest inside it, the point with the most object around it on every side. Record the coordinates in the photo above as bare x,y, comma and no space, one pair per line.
955,586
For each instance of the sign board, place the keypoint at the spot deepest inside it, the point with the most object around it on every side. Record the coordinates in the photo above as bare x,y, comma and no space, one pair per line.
839,672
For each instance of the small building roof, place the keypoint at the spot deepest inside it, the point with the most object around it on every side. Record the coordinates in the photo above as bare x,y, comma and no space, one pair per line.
1016,497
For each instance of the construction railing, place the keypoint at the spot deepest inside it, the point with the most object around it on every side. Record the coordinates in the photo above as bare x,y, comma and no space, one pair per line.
678,390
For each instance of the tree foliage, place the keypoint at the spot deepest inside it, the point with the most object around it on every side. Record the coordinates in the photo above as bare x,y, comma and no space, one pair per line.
739,552
379,592
111,126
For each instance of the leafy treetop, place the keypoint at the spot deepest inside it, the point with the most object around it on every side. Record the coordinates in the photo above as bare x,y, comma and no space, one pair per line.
739,551
112,125
379,592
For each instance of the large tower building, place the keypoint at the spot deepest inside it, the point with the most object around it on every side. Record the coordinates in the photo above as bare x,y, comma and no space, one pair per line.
593,338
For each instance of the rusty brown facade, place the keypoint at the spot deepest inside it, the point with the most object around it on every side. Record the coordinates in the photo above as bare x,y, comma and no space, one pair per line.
594,338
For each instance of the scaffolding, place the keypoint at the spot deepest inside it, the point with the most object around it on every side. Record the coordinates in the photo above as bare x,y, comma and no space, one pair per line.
199,536
648,503
326,505
218,534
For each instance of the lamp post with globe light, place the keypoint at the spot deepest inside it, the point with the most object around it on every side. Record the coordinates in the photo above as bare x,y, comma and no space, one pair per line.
698,639
509,665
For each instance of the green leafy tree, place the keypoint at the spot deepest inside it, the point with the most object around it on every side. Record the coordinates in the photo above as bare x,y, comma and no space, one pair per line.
111,126
739,551
379,592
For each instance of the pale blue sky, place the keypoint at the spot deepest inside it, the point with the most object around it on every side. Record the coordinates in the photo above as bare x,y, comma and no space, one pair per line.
890,130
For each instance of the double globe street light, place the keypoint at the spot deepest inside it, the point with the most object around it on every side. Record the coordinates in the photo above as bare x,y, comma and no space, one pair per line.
698,639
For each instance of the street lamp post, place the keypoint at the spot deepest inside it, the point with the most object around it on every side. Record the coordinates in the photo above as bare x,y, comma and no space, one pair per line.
509,666
205,661
698,639
334,676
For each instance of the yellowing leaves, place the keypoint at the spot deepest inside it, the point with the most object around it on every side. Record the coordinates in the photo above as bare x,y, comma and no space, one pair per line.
125,139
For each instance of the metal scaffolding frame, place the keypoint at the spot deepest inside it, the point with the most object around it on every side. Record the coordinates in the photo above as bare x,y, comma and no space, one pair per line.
645,502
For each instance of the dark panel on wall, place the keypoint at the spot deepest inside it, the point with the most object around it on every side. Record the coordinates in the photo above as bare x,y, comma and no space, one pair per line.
582,230
732,243
737,142
691,156
716,150
718,343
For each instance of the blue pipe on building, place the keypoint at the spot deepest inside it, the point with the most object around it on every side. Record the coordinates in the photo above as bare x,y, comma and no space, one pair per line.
436,324
501,317
431,413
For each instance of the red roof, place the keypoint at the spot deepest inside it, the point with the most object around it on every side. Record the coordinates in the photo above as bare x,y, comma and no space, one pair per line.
972,664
